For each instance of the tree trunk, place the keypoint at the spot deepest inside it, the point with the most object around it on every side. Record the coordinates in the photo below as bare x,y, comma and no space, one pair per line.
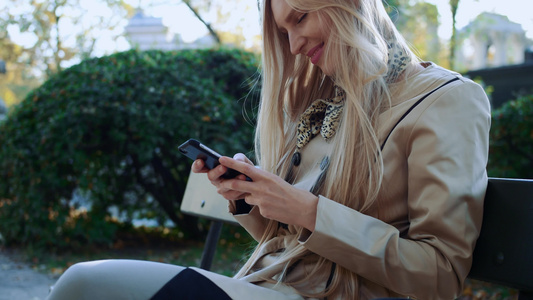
453,40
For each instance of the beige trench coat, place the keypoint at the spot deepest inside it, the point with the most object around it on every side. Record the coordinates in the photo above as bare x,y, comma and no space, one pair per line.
418,242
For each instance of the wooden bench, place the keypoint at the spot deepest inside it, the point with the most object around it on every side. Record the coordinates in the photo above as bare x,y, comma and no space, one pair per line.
503,253
202,200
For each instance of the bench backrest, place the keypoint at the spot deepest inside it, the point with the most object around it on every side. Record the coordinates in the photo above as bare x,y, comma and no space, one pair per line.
504,250
202,200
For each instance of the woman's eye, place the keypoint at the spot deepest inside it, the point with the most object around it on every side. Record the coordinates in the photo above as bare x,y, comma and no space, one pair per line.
302,18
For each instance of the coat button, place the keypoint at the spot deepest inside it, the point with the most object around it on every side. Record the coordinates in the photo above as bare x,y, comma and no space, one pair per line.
296,159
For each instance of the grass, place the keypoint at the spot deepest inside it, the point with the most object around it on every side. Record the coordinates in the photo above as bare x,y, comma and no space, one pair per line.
151,244
160,245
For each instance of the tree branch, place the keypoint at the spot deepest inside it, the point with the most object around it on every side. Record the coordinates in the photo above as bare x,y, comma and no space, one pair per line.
207,25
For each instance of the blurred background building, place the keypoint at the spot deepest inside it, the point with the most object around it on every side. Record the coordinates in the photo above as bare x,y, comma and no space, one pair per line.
145,32
496,52
491,40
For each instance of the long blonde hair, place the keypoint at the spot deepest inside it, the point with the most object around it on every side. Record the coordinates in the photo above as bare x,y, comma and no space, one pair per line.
357,48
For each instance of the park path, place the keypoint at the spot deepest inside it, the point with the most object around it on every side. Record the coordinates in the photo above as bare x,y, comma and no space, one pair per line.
18,281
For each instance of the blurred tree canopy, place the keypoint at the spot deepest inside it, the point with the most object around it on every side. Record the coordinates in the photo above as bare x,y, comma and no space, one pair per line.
57,34
108,129
17,81
58,30
60,33
419,22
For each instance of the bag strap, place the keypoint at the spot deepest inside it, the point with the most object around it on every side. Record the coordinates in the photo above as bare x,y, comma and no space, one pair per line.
412,107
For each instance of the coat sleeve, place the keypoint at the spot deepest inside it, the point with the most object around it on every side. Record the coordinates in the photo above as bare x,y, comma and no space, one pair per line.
254,223
447,152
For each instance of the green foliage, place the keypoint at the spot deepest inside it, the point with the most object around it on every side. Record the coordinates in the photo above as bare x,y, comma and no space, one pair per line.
418,22
109,128
511,139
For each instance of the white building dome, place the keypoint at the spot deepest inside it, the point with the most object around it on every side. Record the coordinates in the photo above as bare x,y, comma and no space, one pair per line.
145,32
491,40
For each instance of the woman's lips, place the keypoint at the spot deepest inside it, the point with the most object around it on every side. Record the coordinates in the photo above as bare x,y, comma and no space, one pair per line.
315,53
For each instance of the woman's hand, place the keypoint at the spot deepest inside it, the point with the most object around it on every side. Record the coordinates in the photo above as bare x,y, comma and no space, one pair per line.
215,174
275,198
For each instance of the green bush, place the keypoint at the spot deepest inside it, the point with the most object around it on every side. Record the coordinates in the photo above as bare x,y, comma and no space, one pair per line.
511,139
109,128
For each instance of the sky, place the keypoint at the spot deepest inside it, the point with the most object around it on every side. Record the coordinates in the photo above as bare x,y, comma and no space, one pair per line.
181,21
518,11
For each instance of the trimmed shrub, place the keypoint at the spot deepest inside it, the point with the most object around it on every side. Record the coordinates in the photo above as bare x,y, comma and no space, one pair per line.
511,139
108,129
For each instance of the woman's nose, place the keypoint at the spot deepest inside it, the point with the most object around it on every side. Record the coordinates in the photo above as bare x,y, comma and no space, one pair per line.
296,42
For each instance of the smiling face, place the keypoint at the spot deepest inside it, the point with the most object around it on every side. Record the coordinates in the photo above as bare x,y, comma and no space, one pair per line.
306,34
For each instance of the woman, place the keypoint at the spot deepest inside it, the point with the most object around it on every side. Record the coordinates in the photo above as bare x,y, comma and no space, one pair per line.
374,190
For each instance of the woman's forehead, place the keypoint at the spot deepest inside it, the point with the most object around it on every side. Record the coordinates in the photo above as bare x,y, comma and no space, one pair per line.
280,10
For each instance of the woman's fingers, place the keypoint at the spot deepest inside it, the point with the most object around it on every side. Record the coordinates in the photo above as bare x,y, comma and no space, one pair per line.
231,194
242,157
198,166
215,173
276,199
244,167
228,188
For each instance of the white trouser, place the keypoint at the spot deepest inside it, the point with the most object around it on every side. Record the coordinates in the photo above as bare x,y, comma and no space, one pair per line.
124,279
113,279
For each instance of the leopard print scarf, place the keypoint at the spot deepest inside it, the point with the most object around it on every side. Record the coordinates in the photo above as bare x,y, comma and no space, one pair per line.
323,115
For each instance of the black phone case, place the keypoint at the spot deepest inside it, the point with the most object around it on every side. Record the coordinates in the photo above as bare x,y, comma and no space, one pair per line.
194,150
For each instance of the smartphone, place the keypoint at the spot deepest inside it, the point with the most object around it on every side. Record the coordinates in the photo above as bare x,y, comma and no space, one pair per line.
194,150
